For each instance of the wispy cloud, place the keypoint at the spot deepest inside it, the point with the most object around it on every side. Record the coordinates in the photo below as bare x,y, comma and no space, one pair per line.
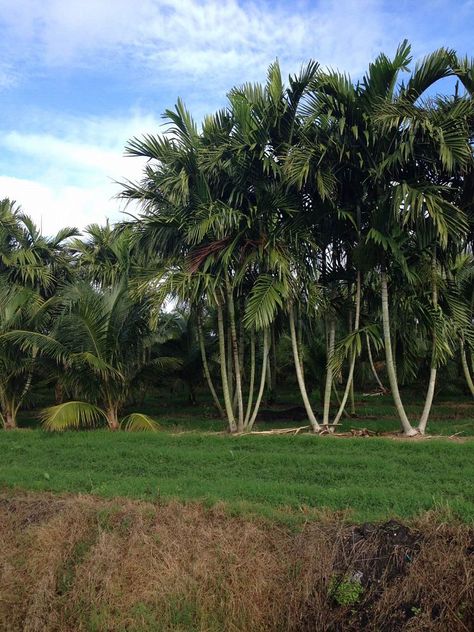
227,38
221,40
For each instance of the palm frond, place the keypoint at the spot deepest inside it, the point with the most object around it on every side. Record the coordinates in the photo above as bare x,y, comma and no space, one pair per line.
71,415
266,297
139,422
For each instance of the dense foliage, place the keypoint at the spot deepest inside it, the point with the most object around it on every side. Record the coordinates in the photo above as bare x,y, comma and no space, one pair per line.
326,220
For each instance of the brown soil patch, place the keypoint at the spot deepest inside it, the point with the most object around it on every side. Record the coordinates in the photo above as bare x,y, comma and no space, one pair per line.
78,563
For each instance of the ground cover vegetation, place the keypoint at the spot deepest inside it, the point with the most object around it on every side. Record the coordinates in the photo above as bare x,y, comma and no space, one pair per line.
288,478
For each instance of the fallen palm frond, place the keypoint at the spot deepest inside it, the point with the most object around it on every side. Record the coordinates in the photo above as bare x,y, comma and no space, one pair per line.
139,422
276,431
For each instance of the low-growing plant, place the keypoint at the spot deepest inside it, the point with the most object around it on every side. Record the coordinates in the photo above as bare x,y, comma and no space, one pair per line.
346,590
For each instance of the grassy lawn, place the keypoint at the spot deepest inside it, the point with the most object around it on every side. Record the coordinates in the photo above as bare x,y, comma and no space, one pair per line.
276,476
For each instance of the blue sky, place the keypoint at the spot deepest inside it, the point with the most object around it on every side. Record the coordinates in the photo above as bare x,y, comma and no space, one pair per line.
80,77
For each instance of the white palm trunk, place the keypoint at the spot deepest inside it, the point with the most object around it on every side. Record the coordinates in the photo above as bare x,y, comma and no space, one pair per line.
407,428
235,354
223,365
338,399
465,367
428,401
299,374
372,365
261,389
273,358
329,370
433,369
252,378
230,366
350,377
269,374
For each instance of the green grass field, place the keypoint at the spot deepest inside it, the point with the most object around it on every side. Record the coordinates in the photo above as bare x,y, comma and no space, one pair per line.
277,476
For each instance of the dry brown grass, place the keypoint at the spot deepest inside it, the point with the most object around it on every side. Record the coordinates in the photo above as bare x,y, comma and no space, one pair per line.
77,563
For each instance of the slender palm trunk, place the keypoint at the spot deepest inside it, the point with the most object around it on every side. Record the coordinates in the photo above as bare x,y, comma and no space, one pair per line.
252,378
222,359
433,369
338,399
350,377
273,356
205,366
299,338
299,374
262,380
372,365
268,380
329,370
230,369
353,410
465,367
407,428
241,342
242,345
236,359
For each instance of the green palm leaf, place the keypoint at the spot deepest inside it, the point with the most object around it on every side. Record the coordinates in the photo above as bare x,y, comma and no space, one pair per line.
71,415
139,422
266,297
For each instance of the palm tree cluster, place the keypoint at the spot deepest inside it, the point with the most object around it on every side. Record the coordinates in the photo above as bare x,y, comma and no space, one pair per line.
69,322
328,220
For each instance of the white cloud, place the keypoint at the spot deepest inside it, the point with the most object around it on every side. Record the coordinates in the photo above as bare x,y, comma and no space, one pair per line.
53,207
220,40
73,180
67,155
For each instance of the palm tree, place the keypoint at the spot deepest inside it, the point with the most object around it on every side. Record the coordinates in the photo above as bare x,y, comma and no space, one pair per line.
382,135
29,258
212,203
102,339
104,254
23,308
